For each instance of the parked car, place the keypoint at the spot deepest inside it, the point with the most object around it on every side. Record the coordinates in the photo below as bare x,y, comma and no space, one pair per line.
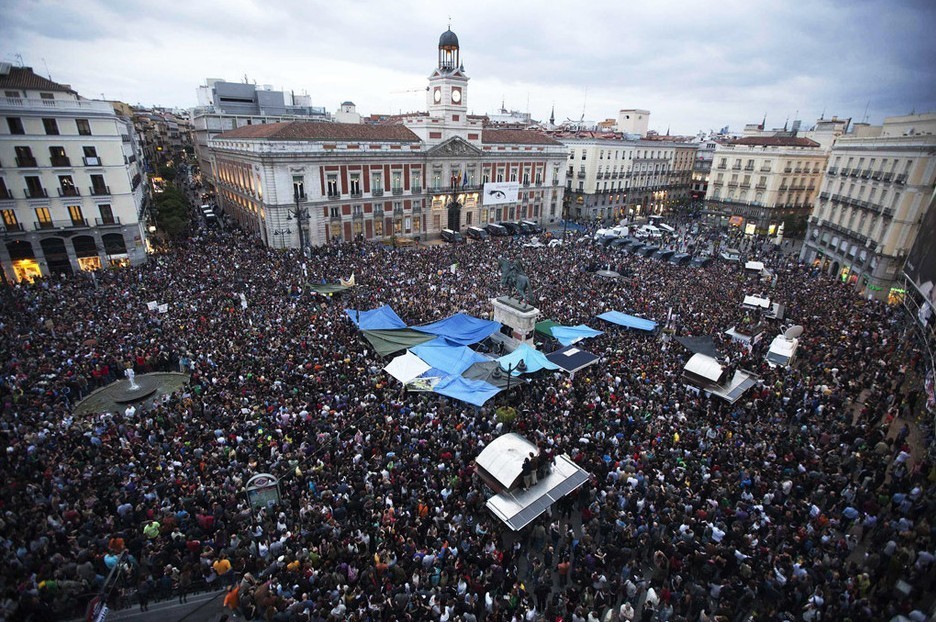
730,254
535,228
497,231
511,227
700,261
646,251
680,259
452,236
477,233
663,254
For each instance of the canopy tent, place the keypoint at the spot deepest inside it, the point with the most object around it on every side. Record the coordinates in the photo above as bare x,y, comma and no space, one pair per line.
545,327
461,328
328,288
475,392
755,302
701,345
630,321
380,318
390,340
754,266
500,463
518,508
406,367
534,360
705,367
567,335
572,359
488,371
449,357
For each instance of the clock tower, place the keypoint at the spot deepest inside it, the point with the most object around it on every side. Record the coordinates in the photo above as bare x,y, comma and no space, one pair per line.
447,97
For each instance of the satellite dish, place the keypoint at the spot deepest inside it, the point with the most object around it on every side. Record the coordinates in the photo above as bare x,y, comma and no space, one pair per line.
793,332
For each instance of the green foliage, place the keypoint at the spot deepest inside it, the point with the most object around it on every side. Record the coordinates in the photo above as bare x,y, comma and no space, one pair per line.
173,226
167,172
794,227
506,414
173,212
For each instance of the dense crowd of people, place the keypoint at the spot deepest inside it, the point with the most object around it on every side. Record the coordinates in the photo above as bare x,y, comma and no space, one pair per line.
792,504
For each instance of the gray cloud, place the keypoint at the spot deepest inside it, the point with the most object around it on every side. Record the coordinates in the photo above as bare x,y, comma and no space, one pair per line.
694,65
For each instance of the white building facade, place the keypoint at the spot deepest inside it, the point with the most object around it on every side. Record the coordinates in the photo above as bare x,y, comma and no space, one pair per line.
71,183
873,201
311,183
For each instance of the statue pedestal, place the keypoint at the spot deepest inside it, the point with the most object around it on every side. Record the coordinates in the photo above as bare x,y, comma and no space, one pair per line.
518,315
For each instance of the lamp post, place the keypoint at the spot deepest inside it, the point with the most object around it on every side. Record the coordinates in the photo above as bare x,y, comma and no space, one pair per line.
520,366
300,214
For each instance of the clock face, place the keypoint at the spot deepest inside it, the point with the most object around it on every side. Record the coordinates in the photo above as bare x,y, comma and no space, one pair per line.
456,95
437,95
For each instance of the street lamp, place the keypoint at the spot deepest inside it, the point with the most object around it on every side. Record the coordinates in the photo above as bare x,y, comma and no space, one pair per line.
520,366
300,214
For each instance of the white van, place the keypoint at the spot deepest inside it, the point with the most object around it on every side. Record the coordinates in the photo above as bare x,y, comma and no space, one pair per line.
648,232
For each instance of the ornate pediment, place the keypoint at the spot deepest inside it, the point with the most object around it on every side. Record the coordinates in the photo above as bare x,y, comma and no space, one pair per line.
455,147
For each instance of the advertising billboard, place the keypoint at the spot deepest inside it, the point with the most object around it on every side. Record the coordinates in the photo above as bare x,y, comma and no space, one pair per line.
496,192
920,266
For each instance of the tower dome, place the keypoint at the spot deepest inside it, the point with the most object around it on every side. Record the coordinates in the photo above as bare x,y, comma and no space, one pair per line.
448,39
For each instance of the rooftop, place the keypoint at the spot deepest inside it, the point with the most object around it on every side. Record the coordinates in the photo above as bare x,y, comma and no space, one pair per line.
516,137
312,130
25,78
774,141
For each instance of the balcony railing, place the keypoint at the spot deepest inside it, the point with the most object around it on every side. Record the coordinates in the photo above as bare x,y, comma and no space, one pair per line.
377,192
846,172
95,161
99,190
833,170
107,222
580,175
26,162
855,172
824,196
60,104
356,194
417,189
888,176
333,194
60,161
765,169
900,179
6,194
61,224
721,167
749,167
761,186
736,167
69,192
36,193
397,191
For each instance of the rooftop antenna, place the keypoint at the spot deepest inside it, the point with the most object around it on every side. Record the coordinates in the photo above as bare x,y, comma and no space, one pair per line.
584,104
822,116
246,81
19,59
48,74
864,119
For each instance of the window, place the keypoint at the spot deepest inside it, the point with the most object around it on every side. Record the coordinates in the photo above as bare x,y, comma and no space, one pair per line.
91,157
378,227
355,181
334,211
67,186
43,217
51,126
74,212
47,98
9,219
98,186
298,187
16,125
500,176
84,127
107,214
417,181
34,189
13,94
397,181
331,184
58,157
24,157
376,184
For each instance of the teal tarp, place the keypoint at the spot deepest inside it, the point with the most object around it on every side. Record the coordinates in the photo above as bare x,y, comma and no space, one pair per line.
567,335
475,392
630,321
376,319
447,356
533,359
461,328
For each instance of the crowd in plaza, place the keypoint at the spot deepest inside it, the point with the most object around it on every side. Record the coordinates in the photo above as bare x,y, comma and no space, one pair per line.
795,503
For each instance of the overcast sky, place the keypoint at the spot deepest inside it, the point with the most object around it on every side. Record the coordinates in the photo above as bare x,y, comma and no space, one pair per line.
694,65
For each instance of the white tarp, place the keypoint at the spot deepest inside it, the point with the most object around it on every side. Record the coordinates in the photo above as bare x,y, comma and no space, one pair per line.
666,227
704,366
755,266
756,302
519,507
496,192
503,457
406,367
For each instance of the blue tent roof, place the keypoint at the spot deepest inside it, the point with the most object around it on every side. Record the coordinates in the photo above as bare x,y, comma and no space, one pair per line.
461,328
630,321
451,358
475,392
534,360
567,335
376,319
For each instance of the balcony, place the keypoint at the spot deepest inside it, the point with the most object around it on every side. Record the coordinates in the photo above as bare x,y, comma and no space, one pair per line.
854,172
61,224
26,162
746,184
59,104
823,196
900,179
765,169
107,222
798,170
377,192
732,184
417,189
846,172
333,194
60,161
13,228
887,176
6,195
356,194
397,191
580,174
736,167
749,167
36,193
526,184
832,171
788,170
888,212
97,191
866,174
721,167
69,192
761,186
96,161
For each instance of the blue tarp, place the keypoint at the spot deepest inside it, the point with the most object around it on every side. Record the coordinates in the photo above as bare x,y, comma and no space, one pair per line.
461,328
630,321
534,360
475,392
376,319
567,335
451,358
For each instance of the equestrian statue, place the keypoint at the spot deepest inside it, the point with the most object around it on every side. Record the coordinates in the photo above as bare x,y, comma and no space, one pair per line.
513,276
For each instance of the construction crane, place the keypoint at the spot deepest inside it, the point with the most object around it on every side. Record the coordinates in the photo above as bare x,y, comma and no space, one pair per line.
410,91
